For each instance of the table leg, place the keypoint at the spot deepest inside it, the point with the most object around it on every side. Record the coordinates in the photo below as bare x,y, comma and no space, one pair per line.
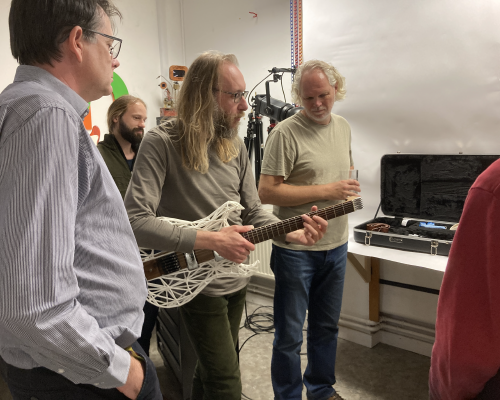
374,290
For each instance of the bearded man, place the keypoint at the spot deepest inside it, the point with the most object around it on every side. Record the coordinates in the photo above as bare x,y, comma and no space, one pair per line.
126,122
185,169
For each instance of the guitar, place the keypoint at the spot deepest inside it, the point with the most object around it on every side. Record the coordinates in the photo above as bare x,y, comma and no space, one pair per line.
175,278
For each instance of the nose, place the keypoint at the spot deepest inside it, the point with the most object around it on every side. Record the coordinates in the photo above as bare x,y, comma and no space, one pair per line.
243,105
115,63
317,103
142,124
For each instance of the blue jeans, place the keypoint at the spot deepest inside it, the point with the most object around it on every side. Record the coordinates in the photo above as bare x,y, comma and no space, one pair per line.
314,281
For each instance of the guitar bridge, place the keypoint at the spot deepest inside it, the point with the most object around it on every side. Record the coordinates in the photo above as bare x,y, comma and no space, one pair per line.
191,261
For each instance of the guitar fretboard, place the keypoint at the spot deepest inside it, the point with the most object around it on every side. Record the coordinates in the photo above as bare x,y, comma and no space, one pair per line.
271,231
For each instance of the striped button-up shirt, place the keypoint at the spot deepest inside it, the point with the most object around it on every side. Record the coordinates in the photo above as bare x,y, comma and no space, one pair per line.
72,285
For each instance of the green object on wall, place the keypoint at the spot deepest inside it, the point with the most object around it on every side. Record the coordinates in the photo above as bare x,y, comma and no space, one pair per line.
119,87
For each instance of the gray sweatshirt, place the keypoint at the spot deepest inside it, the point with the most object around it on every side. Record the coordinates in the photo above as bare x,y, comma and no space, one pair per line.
162,187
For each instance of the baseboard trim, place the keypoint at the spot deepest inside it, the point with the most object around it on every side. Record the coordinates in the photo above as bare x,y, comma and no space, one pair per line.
412,336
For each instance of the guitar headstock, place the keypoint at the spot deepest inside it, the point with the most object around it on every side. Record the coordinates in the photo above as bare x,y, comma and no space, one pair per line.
357,202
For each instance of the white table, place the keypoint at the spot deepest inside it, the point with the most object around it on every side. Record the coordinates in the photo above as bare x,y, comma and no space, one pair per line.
370,271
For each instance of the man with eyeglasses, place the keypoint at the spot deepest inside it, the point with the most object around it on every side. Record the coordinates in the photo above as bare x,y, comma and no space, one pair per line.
186,169
71,279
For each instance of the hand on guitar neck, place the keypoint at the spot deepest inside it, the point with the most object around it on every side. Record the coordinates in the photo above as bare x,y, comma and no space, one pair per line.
314,229
230,244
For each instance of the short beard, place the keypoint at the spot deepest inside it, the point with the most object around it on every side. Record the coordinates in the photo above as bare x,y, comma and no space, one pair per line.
133,136
222,125
315,118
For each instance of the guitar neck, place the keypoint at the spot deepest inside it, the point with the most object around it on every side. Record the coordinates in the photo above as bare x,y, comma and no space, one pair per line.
167,262
271,231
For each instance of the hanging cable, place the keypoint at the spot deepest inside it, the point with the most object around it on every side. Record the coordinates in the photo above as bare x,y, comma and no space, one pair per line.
250,92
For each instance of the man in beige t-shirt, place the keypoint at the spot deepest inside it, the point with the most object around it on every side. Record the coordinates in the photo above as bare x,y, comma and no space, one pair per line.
302,165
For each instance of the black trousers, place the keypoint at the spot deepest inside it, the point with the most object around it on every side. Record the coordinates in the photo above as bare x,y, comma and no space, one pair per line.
491,390
44,384
150,315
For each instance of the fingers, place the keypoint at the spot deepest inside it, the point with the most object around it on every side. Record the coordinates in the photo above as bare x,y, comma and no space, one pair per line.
316,220
241,228
314,228
321,222
312,233
241,257
345,188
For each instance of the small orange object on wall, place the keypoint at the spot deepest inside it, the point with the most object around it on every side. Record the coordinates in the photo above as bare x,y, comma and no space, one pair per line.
177,72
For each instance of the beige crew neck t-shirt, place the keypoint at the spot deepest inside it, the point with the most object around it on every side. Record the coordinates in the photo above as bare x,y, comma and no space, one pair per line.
306,153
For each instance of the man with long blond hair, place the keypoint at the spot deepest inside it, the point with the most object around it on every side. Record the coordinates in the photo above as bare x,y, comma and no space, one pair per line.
186,169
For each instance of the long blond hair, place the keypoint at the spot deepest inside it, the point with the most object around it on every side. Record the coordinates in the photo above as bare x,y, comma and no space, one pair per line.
195,109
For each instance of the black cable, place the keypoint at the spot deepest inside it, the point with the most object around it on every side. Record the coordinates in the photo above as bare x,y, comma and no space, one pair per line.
253,322
250,92
283,90
256,327
241,347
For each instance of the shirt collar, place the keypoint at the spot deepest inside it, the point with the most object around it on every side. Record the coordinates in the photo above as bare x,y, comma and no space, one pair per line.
36,74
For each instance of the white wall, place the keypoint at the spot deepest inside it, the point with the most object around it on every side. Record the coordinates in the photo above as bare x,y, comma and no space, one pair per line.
259,43
139,58
9,64
422,76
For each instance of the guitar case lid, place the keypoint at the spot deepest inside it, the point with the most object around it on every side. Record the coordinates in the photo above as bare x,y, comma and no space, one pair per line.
429,186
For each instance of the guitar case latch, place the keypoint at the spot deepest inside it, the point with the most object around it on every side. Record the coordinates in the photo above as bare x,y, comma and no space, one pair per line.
434,247
368,237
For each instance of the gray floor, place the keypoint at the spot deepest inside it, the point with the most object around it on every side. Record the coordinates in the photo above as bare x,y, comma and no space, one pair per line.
380,373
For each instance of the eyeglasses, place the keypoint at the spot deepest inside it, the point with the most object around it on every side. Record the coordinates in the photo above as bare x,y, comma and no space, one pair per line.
236,96
114,50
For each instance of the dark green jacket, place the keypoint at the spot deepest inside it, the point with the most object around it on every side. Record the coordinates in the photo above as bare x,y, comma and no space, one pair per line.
117,164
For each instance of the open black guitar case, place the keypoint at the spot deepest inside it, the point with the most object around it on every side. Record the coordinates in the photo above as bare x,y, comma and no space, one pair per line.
422,188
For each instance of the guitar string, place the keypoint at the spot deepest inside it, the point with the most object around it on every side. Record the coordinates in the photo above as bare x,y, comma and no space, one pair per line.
328,212
170,261
297,221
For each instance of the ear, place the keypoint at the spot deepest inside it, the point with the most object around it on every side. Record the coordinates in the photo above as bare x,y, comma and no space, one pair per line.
75,43
115,120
